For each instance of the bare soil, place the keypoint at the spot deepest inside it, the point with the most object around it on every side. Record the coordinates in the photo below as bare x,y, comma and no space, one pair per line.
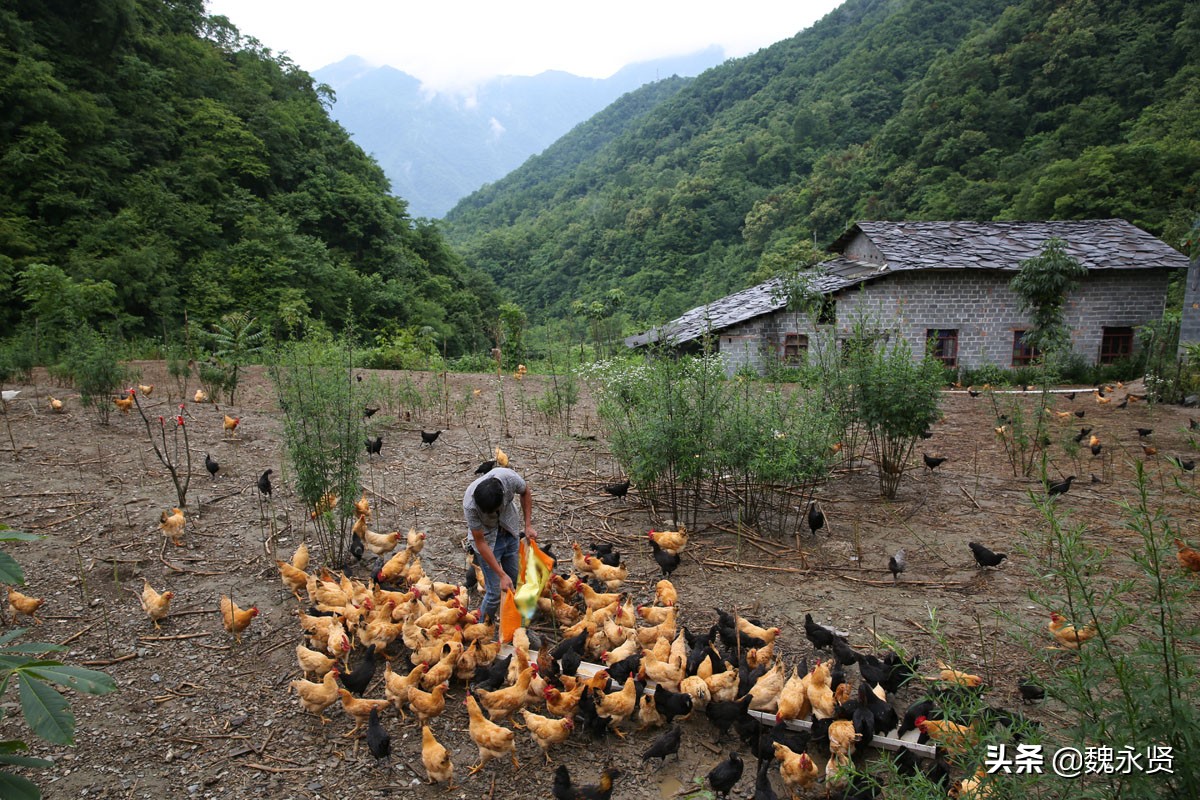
197,715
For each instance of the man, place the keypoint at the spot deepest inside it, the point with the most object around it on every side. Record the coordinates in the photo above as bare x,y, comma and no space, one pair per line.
495,524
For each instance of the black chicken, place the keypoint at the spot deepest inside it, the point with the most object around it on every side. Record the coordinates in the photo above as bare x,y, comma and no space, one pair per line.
1031,691
564,789
369,412
427,438
570,662
763,790
820,636
485,467
374,446
358,679
723,713
922,708
666,744
724,776
617,489
843,652
816,518
1144,432
379,741
264,483
571,643
672,704
897,564
492,676
211,465
1060,487
1083,433
931,461
667,562
985,557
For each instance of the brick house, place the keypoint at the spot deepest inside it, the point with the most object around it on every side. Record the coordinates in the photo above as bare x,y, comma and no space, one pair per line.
943,285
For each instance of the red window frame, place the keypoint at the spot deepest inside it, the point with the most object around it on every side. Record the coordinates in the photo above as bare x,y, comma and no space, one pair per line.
942,344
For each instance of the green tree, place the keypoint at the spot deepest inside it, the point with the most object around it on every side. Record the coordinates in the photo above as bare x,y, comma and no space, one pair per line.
236,339
1042,284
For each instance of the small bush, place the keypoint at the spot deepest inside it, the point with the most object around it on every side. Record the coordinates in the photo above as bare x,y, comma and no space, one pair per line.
96,373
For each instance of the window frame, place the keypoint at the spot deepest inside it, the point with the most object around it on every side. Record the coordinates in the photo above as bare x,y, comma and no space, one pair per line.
935,344
1120,334
799,356
1023,355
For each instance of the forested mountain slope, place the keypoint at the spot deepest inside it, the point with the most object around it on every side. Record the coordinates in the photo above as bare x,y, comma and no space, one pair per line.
154,164
884,109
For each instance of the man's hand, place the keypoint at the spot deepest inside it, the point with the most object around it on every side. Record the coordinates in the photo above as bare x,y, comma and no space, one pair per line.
530,533
506,584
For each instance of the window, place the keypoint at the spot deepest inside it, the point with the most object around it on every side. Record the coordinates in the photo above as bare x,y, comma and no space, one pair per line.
942,344
1116,344
1023,354
795,348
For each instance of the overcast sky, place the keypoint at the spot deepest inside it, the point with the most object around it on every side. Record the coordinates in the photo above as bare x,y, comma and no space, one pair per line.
451,44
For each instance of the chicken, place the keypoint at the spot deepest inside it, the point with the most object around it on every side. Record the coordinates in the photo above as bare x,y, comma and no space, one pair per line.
820,695
501,704
722,686
501,457
1067,635
547,731
664,593
394,567
362,506
124,403
314,662
427,705
951,736
360,708
146,389
156,605
396,686
594,600
955,676
492,740
797,769
415,540
695,687
438,766
380,543
1189,558
842,737
619,706
316,697
564,789
766,689
563,703
611,577
671,541
56,405
24,604
293,579
793,699
231,424
975,787
326,503
443,669
200,396
171,524
750,629
236,619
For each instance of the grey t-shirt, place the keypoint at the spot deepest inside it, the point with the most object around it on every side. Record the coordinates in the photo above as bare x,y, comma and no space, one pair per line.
508,516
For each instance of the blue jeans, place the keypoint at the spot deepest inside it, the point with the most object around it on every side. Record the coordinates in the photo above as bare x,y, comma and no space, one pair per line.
508,556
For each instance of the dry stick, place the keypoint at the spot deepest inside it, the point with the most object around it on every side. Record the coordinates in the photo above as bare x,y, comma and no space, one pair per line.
963,489
75,636
712,562
176,637
106,662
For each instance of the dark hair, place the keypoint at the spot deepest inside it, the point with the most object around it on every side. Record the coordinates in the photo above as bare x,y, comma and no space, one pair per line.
489,494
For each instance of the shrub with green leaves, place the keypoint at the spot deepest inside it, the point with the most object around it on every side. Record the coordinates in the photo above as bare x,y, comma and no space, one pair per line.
235,340
96,373
323,430
45,710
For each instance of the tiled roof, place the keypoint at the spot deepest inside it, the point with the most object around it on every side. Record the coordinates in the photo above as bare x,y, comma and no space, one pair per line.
1097,244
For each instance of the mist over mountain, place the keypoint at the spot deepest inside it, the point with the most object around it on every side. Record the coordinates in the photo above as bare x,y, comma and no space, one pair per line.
437,148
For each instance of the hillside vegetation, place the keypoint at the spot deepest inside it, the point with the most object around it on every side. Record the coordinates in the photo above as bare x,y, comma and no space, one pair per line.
915,109
155,165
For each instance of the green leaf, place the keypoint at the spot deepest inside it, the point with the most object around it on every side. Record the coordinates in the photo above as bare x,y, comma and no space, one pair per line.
33,648
10,535
12,746
46,711
24,761
89,681
8,637
10,570
14,787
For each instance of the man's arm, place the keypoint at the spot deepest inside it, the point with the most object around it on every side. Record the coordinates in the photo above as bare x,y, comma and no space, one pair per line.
527,513
489,558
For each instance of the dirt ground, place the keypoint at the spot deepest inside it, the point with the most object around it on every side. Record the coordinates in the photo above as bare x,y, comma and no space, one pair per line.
196,715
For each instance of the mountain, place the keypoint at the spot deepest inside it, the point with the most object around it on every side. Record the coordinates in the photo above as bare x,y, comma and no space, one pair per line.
436,148
157,168
884,109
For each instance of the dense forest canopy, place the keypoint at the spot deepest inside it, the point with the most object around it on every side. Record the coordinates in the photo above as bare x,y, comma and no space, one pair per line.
156,164
885,109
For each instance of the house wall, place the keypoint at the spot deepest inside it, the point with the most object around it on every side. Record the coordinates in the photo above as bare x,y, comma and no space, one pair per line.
1189,322
977,303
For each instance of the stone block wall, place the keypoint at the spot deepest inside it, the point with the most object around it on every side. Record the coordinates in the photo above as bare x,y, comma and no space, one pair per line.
976,303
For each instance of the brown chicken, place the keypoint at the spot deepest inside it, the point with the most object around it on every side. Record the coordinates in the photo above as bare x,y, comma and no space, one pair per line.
360,708
56,405
362,506
765,691
1067,635
820,695
492,740
171,524
236,619
156,605
563,703
952,737
380,544
671,541
501,704
396,686
200,396
842,738
124,403
300,557
231,424
427,705
415,540
146,389
750,629
314,662
619,706
793,699
1189,558
797,769
438,766
501,457
293,579
955,676
547,731
24,604
443,670
611,577
316,697
664,593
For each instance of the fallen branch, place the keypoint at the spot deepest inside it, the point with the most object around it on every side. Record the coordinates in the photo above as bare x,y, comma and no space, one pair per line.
712,562
176,637
108,662
277,770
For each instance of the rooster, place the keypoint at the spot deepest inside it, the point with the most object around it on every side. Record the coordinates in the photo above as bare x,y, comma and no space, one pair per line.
231,424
